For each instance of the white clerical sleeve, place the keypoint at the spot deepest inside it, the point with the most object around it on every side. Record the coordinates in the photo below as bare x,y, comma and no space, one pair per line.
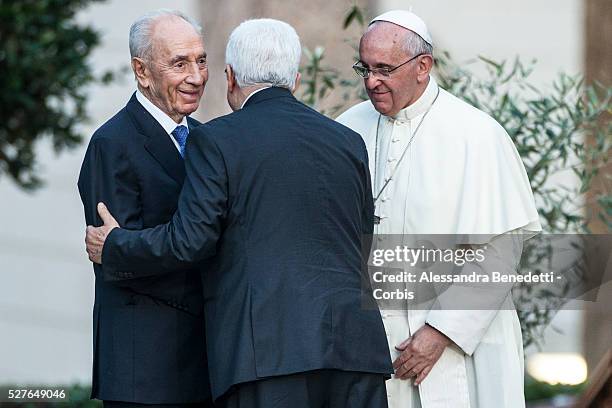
463,312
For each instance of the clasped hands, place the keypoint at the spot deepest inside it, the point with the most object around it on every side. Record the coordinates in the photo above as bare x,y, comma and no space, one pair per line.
419,353
95,236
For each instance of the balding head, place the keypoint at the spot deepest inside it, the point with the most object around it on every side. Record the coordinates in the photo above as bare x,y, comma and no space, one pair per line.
385,37
142,30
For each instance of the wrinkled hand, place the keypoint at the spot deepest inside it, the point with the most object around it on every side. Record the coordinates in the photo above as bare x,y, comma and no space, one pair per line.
95,236
419,354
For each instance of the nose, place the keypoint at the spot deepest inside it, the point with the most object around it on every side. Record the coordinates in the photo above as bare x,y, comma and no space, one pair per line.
372,81
197,76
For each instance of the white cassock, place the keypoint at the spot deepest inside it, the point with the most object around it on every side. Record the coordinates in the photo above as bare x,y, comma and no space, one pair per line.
460,175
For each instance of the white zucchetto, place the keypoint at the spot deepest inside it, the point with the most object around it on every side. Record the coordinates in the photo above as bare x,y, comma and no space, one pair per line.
408,20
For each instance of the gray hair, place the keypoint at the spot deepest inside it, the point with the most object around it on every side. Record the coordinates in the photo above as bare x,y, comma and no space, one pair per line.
264,51
414,44
141,30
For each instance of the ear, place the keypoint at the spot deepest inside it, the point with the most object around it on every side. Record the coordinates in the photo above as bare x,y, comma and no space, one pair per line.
298,78
424,67
231,79
141,72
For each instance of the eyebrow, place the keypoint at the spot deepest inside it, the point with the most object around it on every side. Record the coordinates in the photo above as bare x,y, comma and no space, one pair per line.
383,65
379,65
184,57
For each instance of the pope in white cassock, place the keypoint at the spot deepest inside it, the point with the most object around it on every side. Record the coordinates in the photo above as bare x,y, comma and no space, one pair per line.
441,166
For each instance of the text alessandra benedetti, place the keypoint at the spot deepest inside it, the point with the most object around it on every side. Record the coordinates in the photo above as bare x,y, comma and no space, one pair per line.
473,277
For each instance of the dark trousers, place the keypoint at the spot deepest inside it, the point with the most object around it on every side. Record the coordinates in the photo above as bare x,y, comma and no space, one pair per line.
311,389
121,404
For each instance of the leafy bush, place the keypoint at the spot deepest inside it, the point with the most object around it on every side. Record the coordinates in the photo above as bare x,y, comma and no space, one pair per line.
43,75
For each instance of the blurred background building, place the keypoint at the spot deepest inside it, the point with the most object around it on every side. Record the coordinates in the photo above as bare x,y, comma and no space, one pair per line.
46,281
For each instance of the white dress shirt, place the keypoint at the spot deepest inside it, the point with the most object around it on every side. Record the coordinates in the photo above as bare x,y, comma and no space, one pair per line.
166,122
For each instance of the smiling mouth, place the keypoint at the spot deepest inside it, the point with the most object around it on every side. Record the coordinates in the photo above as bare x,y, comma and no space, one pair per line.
378,95
190,94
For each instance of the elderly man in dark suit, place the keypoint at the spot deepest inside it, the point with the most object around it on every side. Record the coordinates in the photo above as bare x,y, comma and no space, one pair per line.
148,333
279,198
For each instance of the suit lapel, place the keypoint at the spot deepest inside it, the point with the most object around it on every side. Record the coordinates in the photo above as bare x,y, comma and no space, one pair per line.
192,123
158,142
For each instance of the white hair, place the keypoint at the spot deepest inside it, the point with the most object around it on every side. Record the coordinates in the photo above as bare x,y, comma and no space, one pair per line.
264,51
141,30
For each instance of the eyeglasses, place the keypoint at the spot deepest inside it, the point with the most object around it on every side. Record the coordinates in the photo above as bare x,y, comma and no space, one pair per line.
365,72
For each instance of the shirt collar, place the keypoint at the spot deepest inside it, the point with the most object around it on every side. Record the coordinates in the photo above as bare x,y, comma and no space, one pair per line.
253,93
420,105
160,116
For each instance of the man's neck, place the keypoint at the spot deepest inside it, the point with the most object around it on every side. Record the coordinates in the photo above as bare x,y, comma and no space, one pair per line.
147,94
420,104
166,122
420,91
247,92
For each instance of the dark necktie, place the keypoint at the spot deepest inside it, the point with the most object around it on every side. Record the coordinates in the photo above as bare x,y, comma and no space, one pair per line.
180,134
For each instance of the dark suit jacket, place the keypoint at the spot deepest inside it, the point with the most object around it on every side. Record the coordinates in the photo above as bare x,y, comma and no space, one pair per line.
279,196
148,334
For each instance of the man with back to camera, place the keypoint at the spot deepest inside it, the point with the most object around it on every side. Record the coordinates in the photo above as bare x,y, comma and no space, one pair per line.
148,333
440,166
278,197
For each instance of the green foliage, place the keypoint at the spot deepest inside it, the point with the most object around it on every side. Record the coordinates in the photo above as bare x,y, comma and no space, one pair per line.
318,80
43,75
536,390
355,14
549,126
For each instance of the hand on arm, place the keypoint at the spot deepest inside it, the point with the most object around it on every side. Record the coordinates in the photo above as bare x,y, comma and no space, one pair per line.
192,233
96,236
